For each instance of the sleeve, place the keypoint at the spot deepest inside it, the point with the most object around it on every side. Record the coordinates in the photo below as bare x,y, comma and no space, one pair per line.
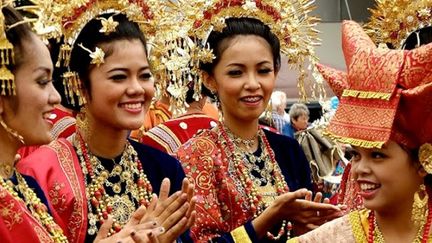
200,162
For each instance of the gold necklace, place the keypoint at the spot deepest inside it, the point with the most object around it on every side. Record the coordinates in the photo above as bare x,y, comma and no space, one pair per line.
34,204
131,177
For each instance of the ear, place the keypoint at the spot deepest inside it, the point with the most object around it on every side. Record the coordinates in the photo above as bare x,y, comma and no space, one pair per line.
209,82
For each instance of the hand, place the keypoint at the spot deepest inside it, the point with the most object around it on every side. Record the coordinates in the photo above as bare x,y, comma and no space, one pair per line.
133,231
175,213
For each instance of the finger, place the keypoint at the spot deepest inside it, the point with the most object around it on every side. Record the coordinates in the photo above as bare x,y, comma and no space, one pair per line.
191,219
104,230
152,224
308,196
176,230
164,189
190,191
161,206
326,200
137,216
191,209
291,196
318,197
173,215
150,209
185,185
314,206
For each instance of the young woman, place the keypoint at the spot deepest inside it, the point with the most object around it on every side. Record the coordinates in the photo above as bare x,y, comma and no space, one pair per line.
242,173
98,172
24,117
382,114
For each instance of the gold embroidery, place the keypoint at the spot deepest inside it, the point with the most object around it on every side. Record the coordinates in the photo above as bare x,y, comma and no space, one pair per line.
58,199
240,235
8,211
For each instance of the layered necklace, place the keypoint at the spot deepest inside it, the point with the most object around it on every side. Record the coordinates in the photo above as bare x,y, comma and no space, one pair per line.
261,185
127,183
375,235
34,204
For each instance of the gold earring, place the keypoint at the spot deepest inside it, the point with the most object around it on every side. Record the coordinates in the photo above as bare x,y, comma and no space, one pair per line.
82,123
419,210
12,132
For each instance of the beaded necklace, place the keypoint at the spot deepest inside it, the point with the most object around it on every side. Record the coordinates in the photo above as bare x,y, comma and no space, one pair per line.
128,172
257,204
34,204
375,235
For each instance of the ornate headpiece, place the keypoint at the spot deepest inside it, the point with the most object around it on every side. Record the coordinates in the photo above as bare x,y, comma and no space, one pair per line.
7,82
392,21
62,19
288,20
385,95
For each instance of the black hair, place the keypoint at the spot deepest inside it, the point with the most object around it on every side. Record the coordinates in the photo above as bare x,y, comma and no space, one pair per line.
90,37
218,41
16,35
190,93
418,38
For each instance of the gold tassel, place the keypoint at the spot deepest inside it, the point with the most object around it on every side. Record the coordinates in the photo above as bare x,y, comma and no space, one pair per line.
6,58
7,81
419,209
64,55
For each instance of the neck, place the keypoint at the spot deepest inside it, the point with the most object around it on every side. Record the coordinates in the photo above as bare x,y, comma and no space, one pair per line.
8,151
105,141
394,226
196,106
245,130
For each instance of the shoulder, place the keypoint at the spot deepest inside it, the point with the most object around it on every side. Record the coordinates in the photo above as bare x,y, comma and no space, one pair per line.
204,141
278,139
151,153
47,154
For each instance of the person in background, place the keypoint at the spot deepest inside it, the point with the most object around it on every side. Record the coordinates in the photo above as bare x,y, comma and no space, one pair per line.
279,116
299,117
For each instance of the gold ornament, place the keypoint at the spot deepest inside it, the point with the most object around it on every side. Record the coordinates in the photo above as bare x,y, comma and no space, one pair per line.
425,157
108,25
289,20
97,56
11,132
420,206
7,79
392,21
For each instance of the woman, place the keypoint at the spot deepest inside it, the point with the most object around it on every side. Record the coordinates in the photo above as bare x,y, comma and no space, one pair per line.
390,133
243,174
24,118
98,172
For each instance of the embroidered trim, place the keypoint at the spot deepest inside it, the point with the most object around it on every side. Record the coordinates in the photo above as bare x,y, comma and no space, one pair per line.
240,235
62,125
356,218
165,137
366,94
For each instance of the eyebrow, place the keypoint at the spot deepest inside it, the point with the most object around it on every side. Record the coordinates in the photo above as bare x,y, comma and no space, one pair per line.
241,64
126,69
43,69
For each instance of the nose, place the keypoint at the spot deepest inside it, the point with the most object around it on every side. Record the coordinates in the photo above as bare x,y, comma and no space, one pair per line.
252,82
360,167
54,96
135,87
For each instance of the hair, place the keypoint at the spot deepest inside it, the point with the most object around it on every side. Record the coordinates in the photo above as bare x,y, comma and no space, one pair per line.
418,38
16,35
190,93
278,99
90,37
298,109
220,41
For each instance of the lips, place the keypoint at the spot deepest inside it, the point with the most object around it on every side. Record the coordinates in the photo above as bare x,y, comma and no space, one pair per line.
132,106
49,116
368,189
251,99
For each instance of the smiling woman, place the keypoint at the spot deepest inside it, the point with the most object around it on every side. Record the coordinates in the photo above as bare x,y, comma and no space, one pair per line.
26,102
98,180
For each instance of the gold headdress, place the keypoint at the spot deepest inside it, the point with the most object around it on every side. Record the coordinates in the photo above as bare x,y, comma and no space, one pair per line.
61,19
392,21
289,20
7,82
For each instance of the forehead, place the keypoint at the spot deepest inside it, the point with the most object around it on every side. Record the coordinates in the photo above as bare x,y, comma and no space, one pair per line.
34,53
246,46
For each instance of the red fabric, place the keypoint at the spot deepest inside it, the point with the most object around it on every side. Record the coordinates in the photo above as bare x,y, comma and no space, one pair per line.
170,135
60,177
404,76
16,222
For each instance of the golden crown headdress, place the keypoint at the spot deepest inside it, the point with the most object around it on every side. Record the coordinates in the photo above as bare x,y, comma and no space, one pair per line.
289,20
7,82
392,21
64,19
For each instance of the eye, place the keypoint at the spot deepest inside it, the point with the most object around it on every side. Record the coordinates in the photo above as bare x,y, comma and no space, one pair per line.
355,156
145,76
118,77
378,155
234,73
44,82
265,70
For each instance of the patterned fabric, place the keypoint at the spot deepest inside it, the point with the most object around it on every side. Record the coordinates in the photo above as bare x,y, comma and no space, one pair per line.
385,95
156,114
16,222
279,121
221,205
170,135
348,191
56,167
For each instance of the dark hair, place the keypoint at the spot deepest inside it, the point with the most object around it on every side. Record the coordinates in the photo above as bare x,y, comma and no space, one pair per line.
190,93
16,35
418,38
219,41
90,37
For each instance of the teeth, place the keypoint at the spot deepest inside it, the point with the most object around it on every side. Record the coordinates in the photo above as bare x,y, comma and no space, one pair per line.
252,99
132,106
52,116
367,186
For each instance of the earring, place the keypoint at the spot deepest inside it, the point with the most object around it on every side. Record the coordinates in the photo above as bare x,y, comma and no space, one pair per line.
419,210
11,132
218,105
82,123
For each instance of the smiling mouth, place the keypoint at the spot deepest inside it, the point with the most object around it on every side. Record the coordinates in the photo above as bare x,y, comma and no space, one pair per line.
251,99
134,106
